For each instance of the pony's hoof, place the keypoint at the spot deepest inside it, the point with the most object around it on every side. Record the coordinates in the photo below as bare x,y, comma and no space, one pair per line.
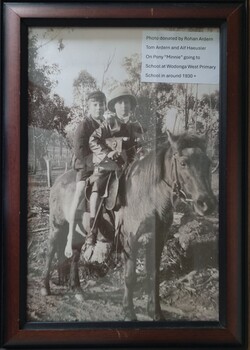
130,316
159,317
44,291
68,252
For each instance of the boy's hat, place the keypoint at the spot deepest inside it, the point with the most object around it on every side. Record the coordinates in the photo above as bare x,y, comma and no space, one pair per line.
96,95
118,93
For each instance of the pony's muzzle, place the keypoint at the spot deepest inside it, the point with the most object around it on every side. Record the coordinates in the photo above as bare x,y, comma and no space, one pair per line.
204,205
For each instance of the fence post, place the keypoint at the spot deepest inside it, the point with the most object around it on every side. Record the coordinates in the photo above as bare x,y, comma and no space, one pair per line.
48,167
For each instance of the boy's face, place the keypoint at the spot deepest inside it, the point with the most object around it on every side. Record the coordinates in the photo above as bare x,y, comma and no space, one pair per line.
96,108
123,107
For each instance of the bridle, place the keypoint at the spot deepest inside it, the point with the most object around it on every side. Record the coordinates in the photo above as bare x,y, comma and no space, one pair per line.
176,188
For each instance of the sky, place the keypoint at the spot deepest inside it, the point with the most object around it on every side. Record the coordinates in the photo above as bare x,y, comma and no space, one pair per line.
90,49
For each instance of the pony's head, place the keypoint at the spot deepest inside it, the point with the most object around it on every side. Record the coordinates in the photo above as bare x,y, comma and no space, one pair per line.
190,171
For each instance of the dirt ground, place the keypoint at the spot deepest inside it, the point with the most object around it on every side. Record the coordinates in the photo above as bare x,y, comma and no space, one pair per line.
189,275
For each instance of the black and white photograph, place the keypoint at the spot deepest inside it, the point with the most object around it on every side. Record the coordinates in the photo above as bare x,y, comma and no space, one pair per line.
123,174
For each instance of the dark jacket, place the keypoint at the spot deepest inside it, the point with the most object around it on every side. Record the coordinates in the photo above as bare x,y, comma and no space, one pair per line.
115,128
83,153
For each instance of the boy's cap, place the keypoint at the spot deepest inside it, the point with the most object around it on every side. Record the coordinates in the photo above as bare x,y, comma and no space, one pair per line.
118,93
96,95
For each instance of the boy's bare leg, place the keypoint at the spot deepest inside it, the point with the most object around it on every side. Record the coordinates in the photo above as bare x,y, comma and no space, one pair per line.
78,196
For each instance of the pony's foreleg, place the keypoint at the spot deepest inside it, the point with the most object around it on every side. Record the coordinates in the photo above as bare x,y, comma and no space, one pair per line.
45,290
153,259
74,275
129,284
63,263
78,196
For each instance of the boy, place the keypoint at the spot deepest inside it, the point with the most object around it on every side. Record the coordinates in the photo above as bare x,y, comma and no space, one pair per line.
83,162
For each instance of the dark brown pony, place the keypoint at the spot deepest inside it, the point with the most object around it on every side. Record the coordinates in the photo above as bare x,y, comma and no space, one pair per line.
178,170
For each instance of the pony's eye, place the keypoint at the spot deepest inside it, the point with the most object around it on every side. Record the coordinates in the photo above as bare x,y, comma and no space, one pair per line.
183,164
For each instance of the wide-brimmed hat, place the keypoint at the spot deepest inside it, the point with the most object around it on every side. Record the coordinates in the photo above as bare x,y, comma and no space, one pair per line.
118,93
96,95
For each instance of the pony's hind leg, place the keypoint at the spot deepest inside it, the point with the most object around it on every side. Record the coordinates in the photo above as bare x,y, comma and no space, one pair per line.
130,280
45,289
63,262
55,240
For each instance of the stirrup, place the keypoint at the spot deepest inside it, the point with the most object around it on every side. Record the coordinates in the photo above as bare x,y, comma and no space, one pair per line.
89,246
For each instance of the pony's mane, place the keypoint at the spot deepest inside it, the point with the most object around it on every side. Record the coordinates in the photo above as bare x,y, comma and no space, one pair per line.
151,167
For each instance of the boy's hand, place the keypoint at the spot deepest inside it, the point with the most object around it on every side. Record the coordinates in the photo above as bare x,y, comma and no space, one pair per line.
114,155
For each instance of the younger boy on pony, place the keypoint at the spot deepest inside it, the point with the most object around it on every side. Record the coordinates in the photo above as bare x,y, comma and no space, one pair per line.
83,161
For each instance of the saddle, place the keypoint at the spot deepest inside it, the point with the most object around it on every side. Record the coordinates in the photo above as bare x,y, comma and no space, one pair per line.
111,197
111,202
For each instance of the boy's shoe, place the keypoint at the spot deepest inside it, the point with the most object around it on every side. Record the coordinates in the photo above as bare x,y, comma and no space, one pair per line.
90,241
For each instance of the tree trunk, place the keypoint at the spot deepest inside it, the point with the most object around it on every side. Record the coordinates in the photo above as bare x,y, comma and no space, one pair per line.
61,146
195,106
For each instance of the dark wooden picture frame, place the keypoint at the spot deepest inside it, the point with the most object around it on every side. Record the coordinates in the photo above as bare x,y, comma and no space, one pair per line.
231,330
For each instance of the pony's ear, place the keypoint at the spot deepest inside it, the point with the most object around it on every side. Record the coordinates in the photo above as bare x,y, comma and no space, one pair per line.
172,140
203,141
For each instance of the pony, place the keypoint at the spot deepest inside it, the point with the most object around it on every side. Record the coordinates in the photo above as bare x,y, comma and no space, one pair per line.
61,195
150,188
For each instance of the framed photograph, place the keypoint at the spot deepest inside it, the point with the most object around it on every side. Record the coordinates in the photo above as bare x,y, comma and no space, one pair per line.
124,182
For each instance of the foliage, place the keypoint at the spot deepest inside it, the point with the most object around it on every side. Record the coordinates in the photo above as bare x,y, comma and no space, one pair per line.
75,119
82,86
47,112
